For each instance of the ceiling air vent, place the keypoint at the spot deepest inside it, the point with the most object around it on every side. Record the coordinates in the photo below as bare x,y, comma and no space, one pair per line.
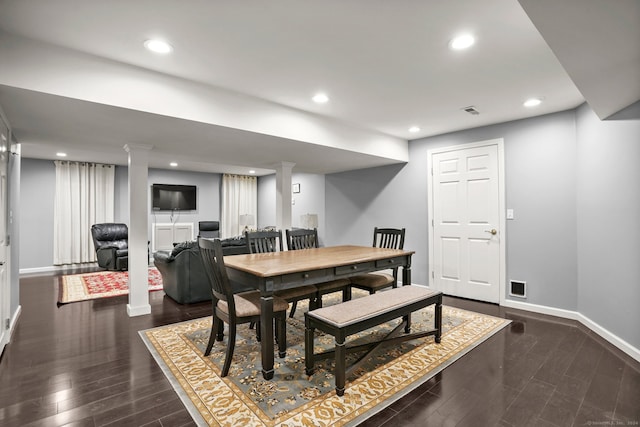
471,110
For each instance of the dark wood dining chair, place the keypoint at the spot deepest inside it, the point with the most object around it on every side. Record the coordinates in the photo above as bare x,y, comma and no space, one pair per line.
390,238
233,308
271,241
303,238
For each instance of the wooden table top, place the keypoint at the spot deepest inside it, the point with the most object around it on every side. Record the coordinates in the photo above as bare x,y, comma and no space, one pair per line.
278,263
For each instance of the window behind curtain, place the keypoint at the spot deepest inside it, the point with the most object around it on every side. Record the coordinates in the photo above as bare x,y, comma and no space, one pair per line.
84,196
239,197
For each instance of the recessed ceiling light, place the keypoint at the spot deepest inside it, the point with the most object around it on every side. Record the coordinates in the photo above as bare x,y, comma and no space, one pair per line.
173,164
252,171
461,42
158,46
320,98
61,154
532,102
414,129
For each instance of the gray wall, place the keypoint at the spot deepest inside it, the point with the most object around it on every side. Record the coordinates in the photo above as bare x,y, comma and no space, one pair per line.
388,196
37,189
608,194
208,196
311,199
540,186
266,200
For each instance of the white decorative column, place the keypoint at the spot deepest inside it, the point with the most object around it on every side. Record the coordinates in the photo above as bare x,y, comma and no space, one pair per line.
283,195
138,226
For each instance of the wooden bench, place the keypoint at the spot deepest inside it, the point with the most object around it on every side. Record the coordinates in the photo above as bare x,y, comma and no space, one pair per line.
350,317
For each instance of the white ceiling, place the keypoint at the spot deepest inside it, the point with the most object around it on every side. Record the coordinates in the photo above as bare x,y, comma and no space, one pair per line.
385,66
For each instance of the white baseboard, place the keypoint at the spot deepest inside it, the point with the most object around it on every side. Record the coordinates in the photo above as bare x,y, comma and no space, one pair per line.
14,321
542,309
39,270
52,269
609,336
574,315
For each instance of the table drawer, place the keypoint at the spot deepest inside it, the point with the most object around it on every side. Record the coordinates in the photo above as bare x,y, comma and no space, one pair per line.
351,269
390,263
309,277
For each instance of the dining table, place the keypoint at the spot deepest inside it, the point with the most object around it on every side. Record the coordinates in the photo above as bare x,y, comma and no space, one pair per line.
274,271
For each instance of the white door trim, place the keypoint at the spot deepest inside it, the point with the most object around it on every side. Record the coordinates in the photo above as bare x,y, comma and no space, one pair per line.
5,249
499,142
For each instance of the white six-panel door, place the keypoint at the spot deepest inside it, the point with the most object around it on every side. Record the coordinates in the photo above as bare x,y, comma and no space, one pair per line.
466,225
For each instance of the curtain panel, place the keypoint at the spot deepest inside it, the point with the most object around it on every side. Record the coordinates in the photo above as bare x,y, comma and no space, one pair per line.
84,196
239,197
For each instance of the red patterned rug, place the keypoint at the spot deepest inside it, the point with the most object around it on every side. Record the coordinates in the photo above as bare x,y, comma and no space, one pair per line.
103,284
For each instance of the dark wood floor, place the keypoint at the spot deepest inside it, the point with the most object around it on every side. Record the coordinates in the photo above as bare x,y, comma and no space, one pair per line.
83,364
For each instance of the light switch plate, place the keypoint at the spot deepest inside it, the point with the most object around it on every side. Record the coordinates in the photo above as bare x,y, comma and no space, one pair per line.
509,213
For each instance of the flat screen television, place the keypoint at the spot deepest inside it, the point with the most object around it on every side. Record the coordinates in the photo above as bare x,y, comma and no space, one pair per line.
168,197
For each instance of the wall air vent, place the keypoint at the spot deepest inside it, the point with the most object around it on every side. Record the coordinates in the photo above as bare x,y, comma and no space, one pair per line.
471,110
518,288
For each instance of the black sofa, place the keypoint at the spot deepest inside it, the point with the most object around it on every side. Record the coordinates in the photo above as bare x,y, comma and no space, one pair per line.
111,241
183,277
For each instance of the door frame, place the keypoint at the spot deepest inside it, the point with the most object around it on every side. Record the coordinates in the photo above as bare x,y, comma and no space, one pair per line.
6,323
499,142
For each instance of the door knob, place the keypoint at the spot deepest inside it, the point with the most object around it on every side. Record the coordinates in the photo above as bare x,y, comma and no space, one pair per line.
492,231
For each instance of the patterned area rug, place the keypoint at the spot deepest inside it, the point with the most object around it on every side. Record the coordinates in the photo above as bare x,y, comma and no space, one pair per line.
103,284
292,398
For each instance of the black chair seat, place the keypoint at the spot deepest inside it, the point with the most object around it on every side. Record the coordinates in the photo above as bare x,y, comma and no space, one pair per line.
248,304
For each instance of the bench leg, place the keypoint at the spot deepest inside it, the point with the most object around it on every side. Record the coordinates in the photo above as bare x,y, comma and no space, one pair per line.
346,294
308,347
341,367
407,326
438,320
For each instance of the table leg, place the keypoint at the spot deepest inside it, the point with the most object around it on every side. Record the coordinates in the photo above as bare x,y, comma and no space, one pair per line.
406,274
308,345
266,316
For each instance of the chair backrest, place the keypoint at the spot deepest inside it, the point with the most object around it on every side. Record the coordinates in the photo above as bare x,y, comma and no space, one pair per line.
209,229
302,238
213,263
111,235
263,241
390,238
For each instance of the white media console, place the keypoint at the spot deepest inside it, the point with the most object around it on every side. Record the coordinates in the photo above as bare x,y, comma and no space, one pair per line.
166,234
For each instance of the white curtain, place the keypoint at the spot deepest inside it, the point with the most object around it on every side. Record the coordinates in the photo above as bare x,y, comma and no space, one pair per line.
84,196
239,197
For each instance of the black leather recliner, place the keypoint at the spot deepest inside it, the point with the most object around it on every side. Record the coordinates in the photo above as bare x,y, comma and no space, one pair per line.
111,241
183,277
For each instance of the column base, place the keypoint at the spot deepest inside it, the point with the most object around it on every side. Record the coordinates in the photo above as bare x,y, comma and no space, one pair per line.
139,310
